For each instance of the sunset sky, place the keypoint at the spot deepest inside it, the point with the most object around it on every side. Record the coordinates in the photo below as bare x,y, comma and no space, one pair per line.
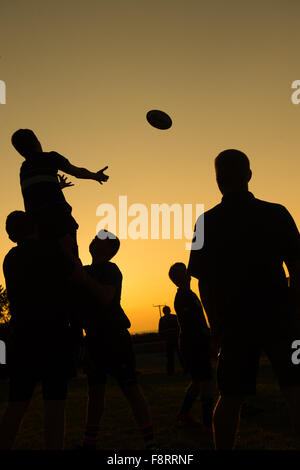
83,75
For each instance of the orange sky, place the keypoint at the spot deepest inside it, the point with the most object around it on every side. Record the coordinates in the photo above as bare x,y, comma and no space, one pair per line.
82,75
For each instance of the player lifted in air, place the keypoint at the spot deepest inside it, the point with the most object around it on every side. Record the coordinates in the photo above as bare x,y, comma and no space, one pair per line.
43,197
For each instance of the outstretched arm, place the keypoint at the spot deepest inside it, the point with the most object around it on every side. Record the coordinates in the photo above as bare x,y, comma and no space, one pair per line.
102,293
83,173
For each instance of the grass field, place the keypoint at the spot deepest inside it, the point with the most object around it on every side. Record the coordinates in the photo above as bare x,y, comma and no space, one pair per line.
268,430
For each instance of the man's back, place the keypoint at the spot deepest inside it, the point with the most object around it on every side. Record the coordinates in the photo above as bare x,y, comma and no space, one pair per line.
168,327
246,241
110,317
39,182
36,276
190,315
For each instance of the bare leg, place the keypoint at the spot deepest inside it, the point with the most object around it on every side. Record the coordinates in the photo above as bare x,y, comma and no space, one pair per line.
141,413
138,404
191,395
226,421
95,404
54,424
11,423
95,410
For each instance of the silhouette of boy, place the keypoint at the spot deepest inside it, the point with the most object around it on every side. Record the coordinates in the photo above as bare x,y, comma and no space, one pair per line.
109,344
194,347
245,293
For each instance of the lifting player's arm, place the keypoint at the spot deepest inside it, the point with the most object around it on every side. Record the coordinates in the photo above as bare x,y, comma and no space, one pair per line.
102,293
83,173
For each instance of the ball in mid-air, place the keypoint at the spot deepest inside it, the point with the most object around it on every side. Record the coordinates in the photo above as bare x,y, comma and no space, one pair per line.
159,119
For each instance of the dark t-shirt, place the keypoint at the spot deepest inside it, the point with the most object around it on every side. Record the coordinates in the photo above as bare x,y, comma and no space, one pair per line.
191,320
36,275
168,328
108,319
39,182
246,241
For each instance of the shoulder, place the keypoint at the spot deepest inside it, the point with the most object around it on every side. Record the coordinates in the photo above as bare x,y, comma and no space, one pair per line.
13,252
179,294
10,258
274,210
213,211
269,206
54,156
57,159
114,269
181,298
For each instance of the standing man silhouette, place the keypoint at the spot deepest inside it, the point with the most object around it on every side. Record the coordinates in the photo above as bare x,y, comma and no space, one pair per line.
245,293
168,330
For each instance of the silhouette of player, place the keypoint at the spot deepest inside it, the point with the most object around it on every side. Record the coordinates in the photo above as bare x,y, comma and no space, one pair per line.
168,330
40,347
43,197
109,344
245,292
194,347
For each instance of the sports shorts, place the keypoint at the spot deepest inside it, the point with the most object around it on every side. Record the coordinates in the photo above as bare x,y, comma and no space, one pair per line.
29,364
111,355
242,345
196,357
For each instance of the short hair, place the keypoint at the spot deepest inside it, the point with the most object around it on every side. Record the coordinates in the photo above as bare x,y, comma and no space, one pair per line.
23,140
166,309
173,270
19,226
232,164
114,242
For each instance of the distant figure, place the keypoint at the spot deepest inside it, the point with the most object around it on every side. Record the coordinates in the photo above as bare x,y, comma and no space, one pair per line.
194,347
43,197
245,292
168,330
40,348
109,346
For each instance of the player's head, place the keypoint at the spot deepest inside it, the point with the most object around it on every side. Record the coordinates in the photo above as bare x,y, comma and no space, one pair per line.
166,310
104,246
232,171
178,274
26,142
20,226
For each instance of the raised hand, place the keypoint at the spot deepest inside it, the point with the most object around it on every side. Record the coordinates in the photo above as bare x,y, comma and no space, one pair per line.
63,182
100,176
